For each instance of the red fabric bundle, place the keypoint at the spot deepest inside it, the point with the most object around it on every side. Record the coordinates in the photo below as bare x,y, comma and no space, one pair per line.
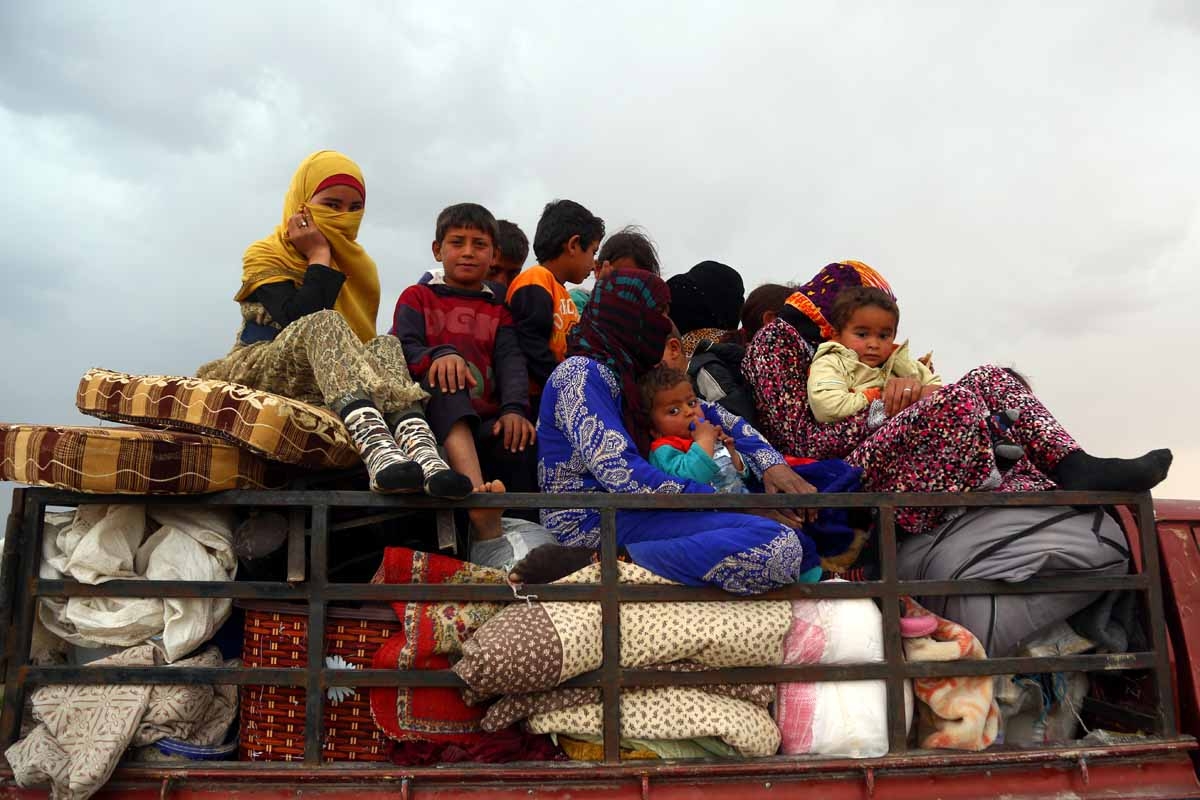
432,632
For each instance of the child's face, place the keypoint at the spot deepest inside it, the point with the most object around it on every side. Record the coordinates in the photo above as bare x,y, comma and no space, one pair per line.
466,255
673,356
579,260
870,332
674,411
503,271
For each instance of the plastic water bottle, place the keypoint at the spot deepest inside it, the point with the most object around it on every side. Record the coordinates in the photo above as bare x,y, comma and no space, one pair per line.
728,480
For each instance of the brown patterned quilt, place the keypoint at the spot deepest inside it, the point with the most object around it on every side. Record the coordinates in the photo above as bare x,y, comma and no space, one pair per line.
527,650
130,461
273,426
536,646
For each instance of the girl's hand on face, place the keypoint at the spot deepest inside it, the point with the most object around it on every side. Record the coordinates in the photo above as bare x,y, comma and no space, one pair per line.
304,235
899,394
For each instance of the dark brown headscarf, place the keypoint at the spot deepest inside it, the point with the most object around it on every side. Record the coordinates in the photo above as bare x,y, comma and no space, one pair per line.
623,327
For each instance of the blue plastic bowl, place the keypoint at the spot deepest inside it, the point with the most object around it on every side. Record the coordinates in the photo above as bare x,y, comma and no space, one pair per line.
218,752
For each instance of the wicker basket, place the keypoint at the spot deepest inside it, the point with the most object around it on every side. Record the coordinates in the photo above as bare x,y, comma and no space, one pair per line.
272,724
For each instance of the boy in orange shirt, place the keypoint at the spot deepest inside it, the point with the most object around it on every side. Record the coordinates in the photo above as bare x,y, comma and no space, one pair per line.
565,245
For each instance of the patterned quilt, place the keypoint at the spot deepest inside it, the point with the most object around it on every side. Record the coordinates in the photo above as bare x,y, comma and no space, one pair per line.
527,650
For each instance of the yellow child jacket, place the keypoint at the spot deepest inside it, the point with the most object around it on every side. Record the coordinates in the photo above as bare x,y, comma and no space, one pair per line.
837,378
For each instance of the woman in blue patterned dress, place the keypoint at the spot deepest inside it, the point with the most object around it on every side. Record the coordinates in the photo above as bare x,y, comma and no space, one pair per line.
592,437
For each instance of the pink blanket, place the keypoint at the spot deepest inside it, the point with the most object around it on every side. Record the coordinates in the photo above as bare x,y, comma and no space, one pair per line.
955,713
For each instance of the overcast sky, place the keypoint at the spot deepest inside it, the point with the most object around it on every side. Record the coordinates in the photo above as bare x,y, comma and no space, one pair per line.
1027,174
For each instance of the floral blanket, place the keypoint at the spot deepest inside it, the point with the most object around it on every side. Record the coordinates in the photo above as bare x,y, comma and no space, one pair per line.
433,632
955,713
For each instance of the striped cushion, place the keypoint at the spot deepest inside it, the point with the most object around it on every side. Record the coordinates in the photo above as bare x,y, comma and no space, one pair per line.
130,461
268,424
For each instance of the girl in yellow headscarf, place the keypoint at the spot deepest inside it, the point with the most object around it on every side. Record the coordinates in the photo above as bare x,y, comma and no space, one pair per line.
309,297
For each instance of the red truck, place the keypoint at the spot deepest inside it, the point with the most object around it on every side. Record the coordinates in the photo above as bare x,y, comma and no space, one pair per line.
1158,710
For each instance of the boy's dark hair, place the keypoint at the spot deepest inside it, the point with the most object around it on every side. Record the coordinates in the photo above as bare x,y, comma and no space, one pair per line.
853,298
562,219
466,215
511,242
656,380
768,297
630,242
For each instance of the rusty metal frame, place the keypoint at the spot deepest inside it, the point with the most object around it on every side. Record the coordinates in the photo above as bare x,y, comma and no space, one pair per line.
20,587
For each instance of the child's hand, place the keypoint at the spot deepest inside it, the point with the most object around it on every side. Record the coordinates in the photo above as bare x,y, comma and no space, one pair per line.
450,373
705,434
518,432
734,455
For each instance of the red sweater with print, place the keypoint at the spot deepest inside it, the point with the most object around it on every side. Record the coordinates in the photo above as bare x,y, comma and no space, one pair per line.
433,320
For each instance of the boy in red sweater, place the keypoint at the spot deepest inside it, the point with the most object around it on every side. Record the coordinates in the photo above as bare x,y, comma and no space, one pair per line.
565,245
460,343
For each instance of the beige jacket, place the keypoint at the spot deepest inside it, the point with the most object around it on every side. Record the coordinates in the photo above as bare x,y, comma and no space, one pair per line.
837,379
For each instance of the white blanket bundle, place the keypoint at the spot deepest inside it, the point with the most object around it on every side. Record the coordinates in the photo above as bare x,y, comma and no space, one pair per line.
102,543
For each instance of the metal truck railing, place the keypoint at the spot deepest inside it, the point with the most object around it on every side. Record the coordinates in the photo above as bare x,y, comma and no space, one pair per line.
307,581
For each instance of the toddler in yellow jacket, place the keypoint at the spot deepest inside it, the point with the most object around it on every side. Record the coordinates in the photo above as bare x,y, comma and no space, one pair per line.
849,371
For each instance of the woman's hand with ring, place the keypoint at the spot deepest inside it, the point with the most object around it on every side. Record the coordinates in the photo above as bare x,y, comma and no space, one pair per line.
308,239
899,394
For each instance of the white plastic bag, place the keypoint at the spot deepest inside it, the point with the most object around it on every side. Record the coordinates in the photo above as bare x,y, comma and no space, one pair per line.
835,718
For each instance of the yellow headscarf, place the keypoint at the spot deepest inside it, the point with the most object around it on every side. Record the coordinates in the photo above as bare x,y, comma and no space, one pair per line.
274,259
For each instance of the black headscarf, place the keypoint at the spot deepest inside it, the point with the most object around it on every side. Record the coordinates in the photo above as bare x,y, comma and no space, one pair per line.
709,295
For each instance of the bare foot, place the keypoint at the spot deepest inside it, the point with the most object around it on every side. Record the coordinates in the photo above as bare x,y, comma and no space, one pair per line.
486,521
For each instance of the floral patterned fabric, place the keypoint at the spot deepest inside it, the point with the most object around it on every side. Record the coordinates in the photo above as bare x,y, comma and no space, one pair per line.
676,712
940,444
432,633
776,366
516,707
943,444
